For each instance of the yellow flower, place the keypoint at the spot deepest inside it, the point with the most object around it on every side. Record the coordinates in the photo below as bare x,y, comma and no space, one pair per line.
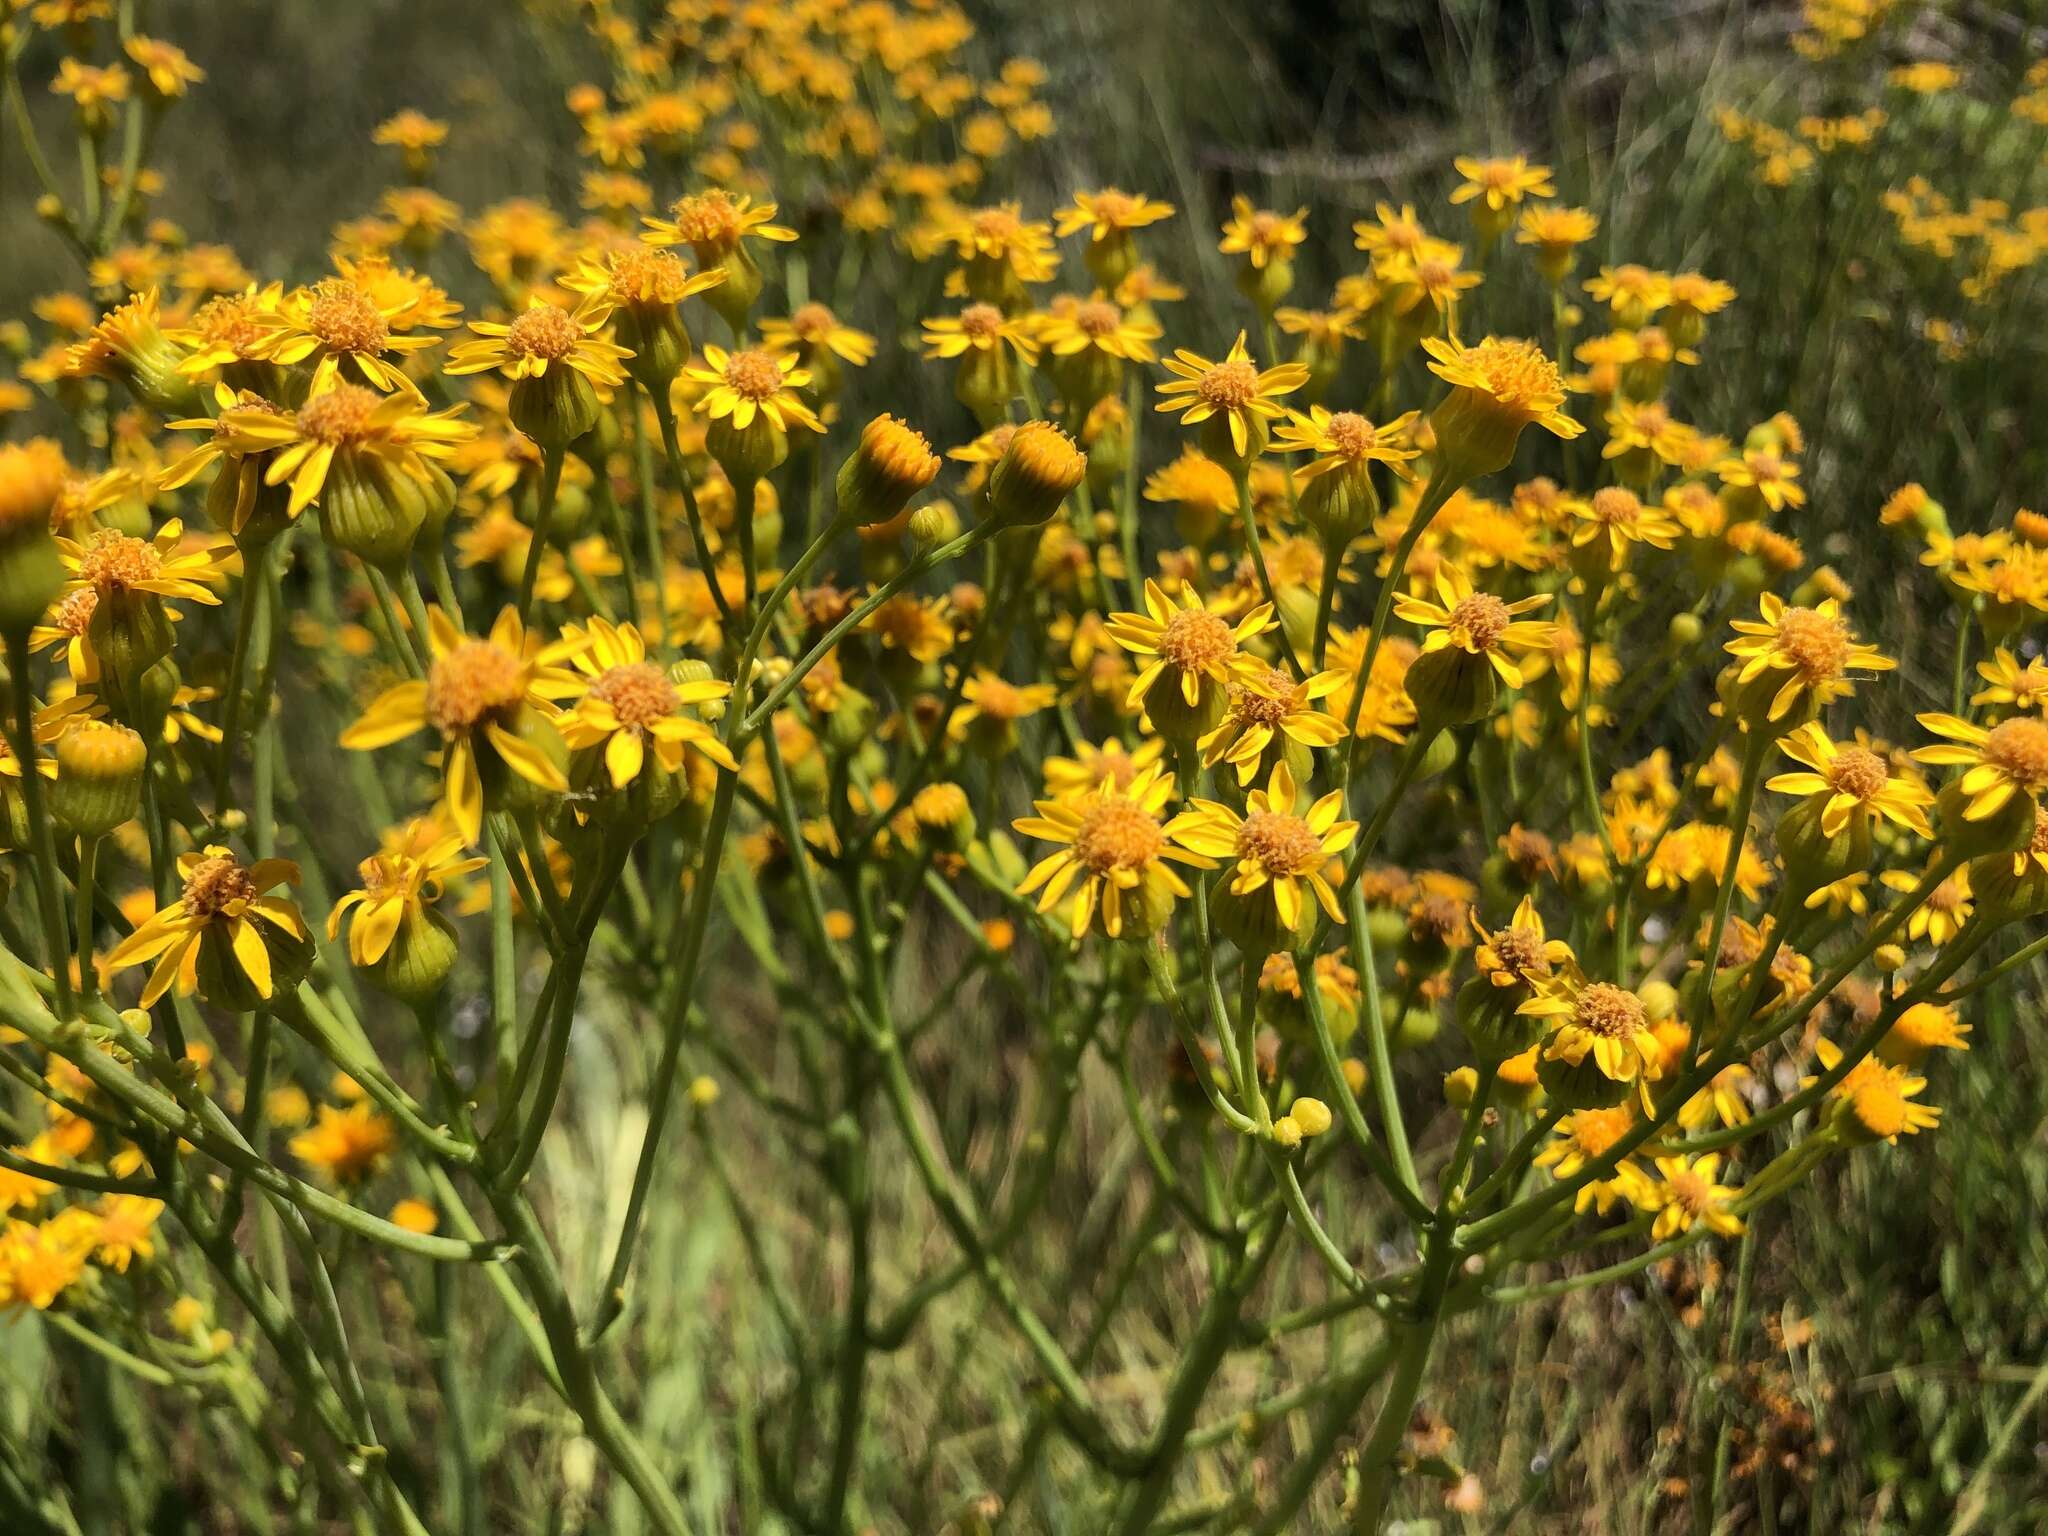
1585,1136
743,385
630,705
1117,856
545,334
1766,473
2012,685
1396,231
1098,325
1686,1194
403,878
713,223
1605,1022
347,329
977,328
1234,389
1345,439
40,1263
1942,915
346,1144
1922,1028
1854,780
1477,623
222,900
1721,1100
1877,1101
1497,388
2000,761
1276,707
1500,184
1804,651
1555,234
126,1230
1188,644
1633,292
1261,236
814,331
988,696
1274,846
346,422
93,89
1104,214
165,65
1521,954
475,695
111,564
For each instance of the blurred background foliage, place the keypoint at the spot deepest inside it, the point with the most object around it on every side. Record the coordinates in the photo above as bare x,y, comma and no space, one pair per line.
1900,1385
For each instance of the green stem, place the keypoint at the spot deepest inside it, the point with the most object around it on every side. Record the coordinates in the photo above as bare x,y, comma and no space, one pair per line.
543,525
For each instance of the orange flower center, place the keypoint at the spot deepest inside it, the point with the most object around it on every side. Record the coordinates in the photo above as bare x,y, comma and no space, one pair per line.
1118,834
1594,1131
1112,207
1351,435
1280,843
2019,749
229,321
981,322
1519,950
1265,227
1269,708
1482,619
1517,373
708,218
1690,1192
74,614
1816,644
214,883
995,227
342,415
474,680
1947,897
1196,640
1098,318
1616,507
115,563
1229,386
813,322
753,375
1611,1012
999,700
642,275
1878,1105
639,693
1858,772
346,320
546,332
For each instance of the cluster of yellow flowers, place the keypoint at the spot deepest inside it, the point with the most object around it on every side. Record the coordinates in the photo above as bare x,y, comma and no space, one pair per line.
580,555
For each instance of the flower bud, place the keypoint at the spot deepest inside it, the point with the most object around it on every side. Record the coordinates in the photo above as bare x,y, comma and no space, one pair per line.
1815,857
1488,1018
1451,686
1312,1115
423,951
933,524
554,408
1288,1132
99,778
748,453
892,464
1460,1086
1038,470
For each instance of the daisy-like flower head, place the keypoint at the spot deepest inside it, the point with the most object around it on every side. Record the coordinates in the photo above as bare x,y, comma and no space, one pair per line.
1873,1101
1555,235
713,223
346,1144
1607,1026
399,880
1686,1194
1520,955
346,330
1498,387
1233,390
1632,292
1765,476
1613,520
1099,325
1277,709
228,329
1854,780
814,333
630,706
1477,623
1798,654
117,565
545,335
1276,846
1345,439
478,696
1500,184
1396,230
1118,855
1922,1028
1585,1136
1188,648
1260,235
743,385
632,276
224,909
977,328
1108,213
345,425
1999,761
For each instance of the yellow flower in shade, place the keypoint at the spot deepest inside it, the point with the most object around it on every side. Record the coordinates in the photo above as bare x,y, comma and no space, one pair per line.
1874,1101
1617,518
991,698
630,706
1585,1136
1112,762
1722,1100
1261,236
1605,1023
713,224
476,696
1434,273
222,900
1500,184
1397,230
1276,709
1999,761
742,385
1498,388
546,335
1555,235
1521,954
1922,1028
1855,780
1098,325
390,433
38,1264
1685,1194
346,1144
1106,213
1233,389
1763,472
1942,915
1188,644
1801,652
1275,847
126,1230
1118,856
400,880
1633,292
346,329
165,65
977,328
1477,623
814,332
111,564
1386,712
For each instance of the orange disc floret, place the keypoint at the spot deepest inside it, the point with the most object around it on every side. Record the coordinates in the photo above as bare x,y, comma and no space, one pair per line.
472,682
